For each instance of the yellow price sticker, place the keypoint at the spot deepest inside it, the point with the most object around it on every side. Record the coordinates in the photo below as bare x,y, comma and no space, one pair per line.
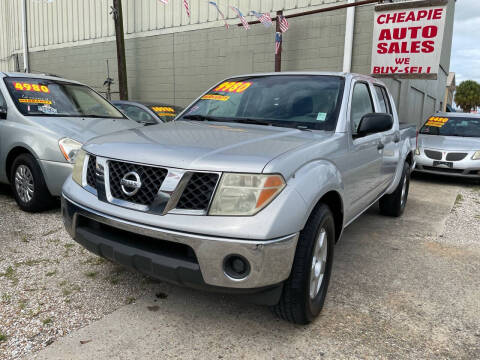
233,86
35,101
163,109
436,121
31,87
215,97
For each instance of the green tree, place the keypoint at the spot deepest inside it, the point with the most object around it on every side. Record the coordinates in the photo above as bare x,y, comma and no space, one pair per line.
467,95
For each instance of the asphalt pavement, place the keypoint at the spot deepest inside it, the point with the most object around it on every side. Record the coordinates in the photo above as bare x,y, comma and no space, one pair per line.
395,292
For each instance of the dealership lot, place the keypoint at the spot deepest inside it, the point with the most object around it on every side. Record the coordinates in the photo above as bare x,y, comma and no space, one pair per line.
400,287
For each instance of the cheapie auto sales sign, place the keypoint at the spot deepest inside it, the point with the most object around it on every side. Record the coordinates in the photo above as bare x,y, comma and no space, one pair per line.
407,39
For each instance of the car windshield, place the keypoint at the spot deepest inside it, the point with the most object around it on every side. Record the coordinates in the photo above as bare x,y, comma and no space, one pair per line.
42,97
165,112
299,101
452,126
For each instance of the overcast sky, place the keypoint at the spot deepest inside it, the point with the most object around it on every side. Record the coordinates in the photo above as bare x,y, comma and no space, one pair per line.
466,41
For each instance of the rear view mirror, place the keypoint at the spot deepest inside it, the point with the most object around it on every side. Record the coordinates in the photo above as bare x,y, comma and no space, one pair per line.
374,123
3,112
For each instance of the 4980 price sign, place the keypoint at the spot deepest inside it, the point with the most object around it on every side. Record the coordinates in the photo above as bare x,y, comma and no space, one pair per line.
21,86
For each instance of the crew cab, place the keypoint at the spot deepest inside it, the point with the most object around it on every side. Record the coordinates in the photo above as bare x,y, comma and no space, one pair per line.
44,120
248,189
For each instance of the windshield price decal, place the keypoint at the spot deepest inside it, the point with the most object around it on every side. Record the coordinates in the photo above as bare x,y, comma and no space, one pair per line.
215,97
35,101
31,87
162,109
233,86
436,121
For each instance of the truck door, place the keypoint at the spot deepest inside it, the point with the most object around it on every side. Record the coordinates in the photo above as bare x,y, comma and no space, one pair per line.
365,160
390,139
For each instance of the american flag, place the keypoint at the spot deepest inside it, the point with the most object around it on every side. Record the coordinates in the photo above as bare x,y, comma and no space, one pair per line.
220,12
242,18
283,23
263,18
278,42
187,7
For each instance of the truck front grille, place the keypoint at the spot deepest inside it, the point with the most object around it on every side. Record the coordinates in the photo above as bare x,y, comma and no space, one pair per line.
198,192
435,155
91,177
196,195
151,178
456,156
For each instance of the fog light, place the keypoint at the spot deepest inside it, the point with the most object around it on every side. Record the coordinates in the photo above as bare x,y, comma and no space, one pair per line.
236,267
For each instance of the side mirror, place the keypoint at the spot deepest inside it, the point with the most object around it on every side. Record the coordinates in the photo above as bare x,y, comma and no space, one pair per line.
374,123
3,112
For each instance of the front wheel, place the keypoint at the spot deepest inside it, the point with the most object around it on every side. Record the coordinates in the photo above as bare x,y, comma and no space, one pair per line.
394,204
305,290
28,185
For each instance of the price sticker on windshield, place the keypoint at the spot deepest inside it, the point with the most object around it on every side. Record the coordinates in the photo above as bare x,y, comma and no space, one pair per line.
162,109
215,97
436,121
233,86
31,87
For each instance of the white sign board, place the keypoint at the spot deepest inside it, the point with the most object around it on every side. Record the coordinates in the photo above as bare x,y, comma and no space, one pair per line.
407,39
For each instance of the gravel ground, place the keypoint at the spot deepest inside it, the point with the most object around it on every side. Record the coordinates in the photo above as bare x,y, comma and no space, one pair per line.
49,285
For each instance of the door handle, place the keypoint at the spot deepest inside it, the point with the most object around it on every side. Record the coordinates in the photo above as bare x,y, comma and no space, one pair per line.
380,146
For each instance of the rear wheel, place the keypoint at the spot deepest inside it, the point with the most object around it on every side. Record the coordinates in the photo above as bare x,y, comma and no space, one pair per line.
305,290
394,204
28,185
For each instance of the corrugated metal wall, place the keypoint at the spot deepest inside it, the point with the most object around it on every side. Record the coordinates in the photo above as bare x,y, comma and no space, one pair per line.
66,22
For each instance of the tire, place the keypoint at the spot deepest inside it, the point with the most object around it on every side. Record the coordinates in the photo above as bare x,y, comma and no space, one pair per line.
296,304
28,185
394,204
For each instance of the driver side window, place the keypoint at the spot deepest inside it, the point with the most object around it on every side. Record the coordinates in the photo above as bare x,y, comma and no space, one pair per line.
361,105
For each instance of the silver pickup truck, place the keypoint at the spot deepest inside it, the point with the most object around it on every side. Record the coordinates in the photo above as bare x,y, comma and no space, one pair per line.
44,120
248,190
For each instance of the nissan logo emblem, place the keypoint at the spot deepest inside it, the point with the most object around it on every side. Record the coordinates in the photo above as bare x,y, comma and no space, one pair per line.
131,183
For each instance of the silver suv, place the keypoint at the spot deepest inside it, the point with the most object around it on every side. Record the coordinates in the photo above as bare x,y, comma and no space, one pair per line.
44,121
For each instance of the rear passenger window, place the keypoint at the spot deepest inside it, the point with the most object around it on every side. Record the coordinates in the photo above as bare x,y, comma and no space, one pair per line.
361,105
383,100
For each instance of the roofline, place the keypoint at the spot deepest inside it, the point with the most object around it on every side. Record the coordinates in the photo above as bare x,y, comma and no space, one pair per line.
37,76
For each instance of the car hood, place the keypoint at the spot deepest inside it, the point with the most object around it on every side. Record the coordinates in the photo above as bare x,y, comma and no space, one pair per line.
82,129
449,143
202,145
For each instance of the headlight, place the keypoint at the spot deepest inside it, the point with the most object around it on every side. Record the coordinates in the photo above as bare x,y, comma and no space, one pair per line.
417,151
476,156
69,148
245,194
77,173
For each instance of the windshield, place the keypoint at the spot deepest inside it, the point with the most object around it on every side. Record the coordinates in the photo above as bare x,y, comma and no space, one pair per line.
301,101
452,126
165,112
41,97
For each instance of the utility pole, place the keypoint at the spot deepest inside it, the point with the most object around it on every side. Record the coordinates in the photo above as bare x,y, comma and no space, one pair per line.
278,54
26,62
120,39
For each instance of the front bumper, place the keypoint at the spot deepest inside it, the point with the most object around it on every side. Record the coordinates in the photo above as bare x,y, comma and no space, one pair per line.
466,168
158,252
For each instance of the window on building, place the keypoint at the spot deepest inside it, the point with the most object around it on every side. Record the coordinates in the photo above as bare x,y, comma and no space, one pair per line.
361,105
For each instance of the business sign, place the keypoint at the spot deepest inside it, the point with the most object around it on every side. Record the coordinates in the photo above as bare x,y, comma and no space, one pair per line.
408,38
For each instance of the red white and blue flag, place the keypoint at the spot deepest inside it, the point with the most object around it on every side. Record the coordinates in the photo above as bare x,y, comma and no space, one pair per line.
241,17
264,18
187,7
278,42
283,23
219,11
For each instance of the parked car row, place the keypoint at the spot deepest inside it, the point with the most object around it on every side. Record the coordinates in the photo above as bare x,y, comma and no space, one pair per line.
246,191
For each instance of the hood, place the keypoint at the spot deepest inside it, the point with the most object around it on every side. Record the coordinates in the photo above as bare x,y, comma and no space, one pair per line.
202,145
449,143
82,129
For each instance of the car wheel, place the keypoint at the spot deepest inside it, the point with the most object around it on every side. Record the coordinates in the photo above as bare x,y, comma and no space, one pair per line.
394,204
28,185
305,290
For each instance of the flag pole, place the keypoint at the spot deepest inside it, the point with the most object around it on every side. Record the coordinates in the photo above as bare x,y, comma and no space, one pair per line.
278,54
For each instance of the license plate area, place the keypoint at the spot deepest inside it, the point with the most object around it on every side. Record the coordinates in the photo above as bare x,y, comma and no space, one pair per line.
443,164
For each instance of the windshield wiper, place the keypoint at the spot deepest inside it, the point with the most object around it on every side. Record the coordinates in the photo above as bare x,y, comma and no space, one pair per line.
197,117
